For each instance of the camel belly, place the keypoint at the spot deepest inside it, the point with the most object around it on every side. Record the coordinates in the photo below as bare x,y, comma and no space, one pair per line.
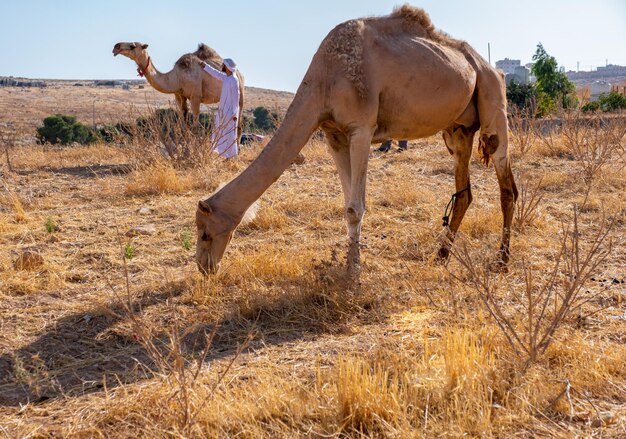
423,92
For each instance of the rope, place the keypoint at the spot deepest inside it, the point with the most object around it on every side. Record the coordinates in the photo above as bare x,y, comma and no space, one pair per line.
141,72
450,206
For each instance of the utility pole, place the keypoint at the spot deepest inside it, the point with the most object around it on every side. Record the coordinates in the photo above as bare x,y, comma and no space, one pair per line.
93,114
489,52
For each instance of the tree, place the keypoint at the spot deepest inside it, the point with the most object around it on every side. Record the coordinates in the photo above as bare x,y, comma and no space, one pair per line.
553,88
521,96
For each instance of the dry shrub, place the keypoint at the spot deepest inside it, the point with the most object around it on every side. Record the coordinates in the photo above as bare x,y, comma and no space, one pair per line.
594,142
526,211
523,133
551,142
158,178
162,134
8,139
530,314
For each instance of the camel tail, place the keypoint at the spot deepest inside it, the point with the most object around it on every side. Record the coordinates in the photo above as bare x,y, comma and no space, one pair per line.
490,97
493,144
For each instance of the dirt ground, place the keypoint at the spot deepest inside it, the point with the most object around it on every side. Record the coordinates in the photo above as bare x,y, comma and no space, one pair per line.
106,332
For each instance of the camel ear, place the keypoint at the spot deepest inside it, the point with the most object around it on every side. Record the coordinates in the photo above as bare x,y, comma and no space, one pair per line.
144,46
204,207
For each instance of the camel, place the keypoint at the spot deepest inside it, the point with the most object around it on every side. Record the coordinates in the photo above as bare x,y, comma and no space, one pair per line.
186,80
373,79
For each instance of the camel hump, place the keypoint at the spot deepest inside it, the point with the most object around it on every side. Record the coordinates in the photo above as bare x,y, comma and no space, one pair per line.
416,15
417,21
205,53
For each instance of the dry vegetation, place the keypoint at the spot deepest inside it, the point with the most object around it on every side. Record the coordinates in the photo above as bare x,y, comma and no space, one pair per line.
103,334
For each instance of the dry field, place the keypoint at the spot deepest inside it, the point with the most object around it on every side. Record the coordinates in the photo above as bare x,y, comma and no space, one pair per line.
108,335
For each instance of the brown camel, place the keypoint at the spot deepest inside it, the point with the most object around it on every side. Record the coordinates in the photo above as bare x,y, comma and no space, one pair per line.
372,79
186,80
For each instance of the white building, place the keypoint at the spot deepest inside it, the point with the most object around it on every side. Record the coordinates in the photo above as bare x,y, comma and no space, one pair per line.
508,65
599,87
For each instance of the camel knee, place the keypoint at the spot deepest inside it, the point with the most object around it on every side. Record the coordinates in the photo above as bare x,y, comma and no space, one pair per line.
354,214
470,197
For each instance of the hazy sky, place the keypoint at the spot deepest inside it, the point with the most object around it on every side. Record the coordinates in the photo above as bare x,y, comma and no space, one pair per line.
273,40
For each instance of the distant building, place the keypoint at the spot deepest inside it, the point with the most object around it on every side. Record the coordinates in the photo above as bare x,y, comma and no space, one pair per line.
508,66
598,88
612,70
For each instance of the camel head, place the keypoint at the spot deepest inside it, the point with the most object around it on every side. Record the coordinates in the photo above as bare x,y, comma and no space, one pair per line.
214,233
135,51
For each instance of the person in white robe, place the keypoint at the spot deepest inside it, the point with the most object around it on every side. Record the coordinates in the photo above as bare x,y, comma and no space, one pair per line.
224,135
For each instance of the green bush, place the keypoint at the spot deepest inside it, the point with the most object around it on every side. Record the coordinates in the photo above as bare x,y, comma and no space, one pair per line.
64,130
612,101
607,102
264,120
591,107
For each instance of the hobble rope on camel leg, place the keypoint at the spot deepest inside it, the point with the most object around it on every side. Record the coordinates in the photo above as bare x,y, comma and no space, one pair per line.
450,206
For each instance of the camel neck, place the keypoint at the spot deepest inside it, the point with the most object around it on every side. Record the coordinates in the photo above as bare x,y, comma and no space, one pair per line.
301,120
162,82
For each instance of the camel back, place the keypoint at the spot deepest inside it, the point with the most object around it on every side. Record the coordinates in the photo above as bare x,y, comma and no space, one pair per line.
344,44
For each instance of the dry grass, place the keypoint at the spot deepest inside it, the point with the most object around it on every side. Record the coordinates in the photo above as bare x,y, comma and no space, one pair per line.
158,179
409,352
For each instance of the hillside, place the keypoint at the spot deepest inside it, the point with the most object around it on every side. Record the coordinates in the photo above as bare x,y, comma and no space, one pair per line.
25,107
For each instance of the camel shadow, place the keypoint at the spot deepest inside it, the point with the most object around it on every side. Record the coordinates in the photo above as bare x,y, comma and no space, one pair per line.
80,354
90,171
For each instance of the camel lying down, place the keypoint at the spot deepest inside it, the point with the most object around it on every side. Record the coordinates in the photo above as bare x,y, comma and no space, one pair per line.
438,84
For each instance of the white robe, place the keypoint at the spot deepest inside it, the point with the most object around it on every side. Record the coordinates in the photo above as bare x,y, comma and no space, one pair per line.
224,134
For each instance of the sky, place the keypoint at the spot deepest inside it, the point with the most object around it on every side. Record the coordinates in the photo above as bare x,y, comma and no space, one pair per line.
273,41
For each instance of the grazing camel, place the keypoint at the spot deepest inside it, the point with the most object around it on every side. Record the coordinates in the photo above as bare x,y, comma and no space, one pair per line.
186,80
372,79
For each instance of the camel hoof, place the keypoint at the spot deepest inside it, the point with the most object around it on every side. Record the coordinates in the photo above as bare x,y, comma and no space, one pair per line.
441,257
498,265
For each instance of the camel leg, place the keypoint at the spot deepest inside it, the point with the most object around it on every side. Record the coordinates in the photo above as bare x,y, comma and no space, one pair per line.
181,103
340,152
360,142
459,142
195,110
508,197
